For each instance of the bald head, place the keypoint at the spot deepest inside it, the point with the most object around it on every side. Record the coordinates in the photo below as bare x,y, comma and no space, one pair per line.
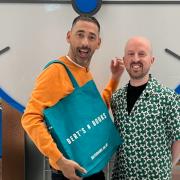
138,40
138,59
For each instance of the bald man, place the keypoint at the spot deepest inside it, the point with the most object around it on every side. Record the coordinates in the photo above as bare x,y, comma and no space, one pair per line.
147,114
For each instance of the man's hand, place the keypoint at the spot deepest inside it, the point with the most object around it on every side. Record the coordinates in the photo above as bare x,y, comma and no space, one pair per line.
69,167
117,68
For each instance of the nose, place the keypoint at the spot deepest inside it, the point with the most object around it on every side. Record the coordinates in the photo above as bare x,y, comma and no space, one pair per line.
136,58
85,41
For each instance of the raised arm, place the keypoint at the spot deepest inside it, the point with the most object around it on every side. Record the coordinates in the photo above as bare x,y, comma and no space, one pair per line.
117,69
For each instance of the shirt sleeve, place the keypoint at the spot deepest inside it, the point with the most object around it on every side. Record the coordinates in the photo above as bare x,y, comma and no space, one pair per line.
109,90
174,118
48,90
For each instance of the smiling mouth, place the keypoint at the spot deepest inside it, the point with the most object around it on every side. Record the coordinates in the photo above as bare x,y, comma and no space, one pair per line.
84,52
136,66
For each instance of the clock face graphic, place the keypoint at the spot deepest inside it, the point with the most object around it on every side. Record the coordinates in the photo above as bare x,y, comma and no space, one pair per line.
175,55
86,7
34,34
178,89
4,50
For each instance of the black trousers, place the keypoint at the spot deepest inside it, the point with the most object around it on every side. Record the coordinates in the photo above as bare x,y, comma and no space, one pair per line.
59,176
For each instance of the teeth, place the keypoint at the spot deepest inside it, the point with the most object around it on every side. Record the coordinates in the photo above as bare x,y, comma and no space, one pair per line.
84,50
136,66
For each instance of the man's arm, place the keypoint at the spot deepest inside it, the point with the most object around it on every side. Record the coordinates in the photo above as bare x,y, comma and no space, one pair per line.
45,94
175,152
117,69
69,167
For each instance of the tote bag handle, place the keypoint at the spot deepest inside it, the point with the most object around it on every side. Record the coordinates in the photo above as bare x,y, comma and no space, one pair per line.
73,80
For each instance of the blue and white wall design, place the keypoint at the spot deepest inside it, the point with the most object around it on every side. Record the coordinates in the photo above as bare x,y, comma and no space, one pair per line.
36,34
0,132
33,34
40,37
178,89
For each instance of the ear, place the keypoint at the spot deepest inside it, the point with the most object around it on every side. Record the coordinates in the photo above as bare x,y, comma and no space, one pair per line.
99,43
152,60
68,36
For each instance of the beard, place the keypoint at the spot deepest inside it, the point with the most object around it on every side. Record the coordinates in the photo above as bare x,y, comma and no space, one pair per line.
137,74
83,56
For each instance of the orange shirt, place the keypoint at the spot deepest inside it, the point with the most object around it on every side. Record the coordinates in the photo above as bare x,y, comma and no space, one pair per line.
52,85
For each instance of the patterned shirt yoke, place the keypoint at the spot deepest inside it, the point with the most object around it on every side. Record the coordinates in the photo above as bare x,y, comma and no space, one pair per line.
148,132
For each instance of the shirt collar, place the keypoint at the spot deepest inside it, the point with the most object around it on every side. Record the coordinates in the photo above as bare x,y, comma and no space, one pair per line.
87,69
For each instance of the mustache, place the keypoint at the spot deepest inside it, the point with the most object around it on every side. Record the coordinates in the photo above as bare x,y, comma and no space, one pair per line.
136,63
84,47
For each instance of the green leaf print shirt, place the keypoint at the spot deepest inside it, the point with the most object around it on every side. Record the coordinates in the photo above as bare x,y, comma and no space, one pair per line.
148,133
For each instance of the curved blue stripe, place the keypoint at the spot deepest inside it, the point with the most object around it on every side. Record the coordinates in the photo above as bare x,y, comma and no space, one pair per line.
11,101
0,133
21,108
86,6
178,89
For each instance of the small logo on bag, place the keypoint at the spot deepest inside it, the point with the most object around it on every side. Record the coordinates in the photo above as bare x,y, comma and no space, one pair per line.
99,151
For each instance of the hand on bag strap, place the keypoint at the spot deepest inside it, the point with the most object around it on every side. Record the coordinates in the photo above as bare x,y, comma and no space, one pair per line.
69,168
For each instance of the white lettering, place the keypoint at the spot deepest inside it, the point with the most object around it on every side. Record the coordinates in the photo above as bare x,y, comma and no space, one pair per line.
75,136
88,126
96,121
99,119
78,133
104,115
83,130
68,140
71,138
99,151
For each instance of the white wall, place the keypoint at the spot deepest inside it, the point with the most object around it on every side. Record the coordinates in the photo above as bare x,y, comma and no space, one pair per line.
36,33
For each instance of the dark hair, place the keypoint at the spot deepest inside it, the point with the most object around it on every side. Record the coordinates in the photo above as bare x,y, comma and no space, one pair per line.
86,18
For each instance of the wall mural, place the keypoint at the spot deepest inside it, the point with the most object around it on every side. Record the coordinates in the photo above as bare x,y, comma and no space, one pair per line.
5,49
178,58
30,36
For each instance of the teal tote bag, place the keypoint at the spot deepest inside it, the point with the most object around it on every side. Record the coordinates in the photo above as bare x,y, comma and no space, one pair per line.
82,128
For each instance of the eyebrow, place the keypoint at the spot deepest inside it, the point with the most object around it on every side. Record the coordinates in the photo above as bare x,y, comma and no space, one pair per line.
84,31
129,51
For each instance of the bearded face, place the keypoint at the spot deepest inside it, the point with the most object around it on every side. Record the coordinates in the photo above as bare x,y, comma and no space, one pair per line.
138,59
84,40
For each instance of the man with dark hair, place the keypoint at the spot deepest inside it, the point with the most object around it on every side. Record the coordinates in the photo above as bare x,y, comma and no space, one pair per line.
88,19
53,84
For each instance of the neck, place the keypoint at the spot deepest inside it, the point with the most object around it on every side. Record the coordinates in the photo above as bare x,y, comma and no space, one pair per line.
139,82
85,63
87,69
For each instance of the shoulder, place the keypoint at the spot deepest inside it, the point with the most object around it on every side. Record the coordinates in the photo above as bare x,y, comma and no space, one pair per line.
119,92
118,97
168,92
165,92
52,72
55,64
